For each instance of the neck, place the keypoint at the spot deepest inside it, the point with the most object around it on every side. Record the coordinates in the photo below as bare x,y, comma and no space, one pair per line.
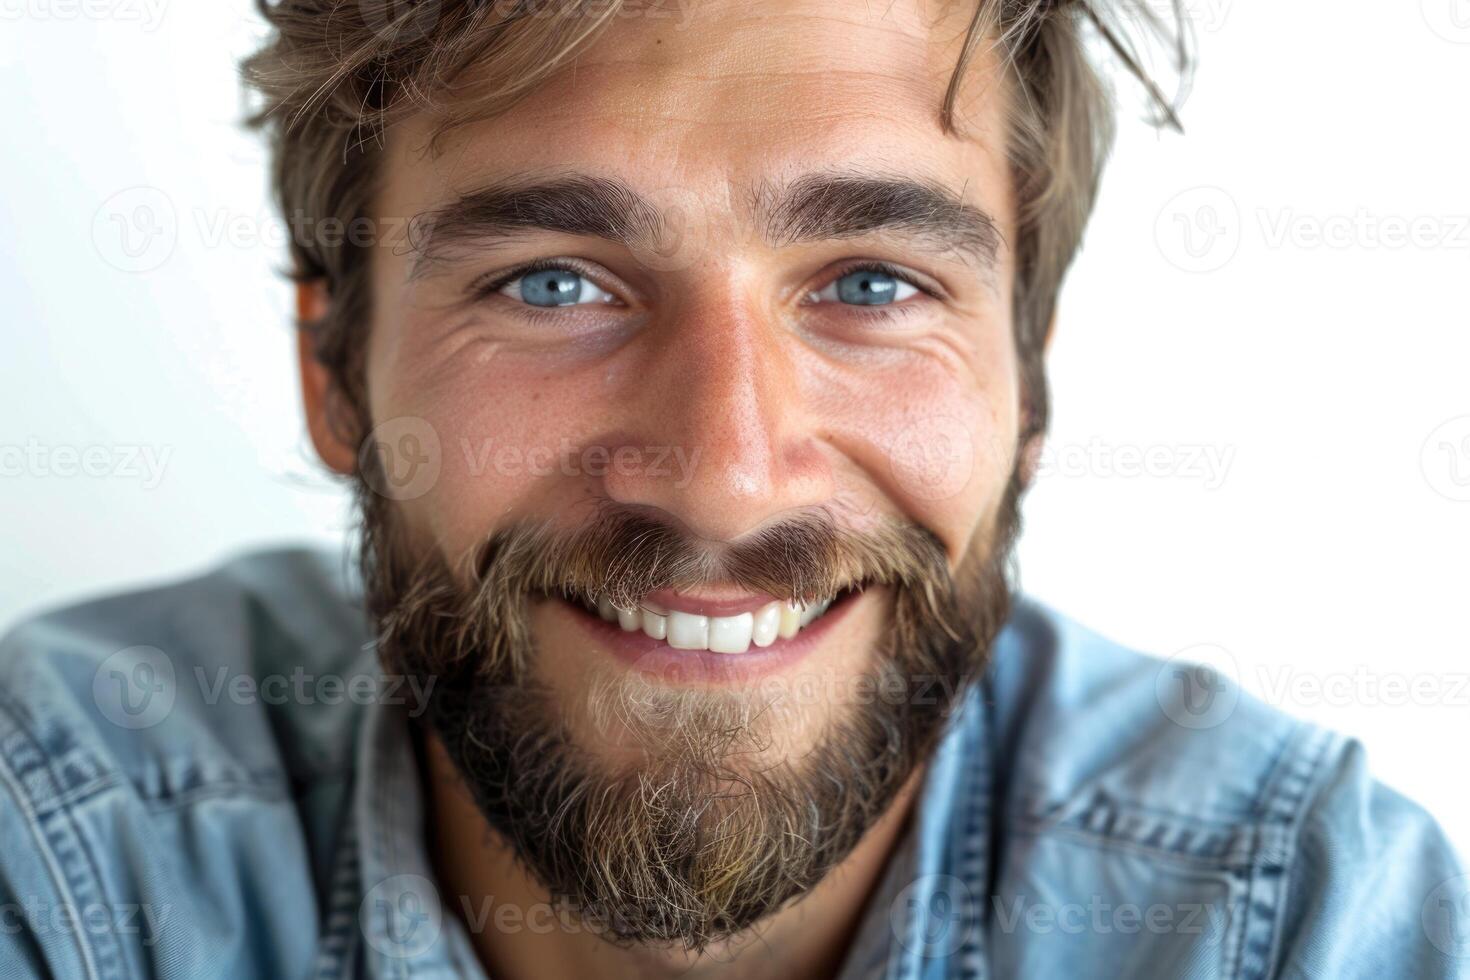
520,933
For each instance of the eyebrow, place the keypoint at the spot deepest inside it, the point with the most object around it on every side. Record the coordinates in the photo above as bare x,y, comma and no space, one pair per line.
579,204
823,206
836,205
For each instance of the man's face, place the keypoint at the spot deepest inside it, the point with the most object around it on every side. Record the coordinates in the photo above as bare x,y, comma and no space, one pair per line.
723,273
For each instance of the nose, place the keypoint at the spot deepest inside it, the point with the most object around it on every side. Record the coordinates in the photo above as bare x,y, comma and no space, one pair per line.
720,397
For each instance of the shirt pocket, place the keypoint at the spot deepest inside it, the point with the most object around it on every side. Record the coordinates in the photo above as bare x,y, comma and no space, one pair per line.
1068,904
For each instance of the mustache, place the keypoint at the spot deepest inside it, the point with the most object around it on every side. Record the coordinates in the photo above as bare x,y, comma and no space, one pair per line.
478,616
626,553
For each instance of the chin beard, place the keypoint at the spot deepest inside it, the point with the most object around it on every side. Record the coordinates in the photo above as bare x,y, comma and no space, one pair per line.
708,828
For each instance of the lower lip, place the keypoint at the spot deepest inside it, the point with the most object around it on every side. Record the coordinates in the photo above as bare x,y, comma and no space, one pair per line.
655,657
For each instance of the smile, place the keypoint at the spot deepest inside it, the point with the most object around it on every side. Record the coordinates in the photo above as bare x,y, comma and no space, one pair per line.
732,633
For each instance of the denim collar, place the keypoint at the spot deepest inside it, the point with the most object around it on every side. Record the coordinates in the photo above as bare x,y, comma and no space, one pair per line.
386,918
927,916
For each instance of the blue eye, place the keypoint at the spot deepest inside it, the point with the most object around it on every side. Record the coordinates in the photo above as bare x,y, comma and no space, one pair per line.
555,287
865,287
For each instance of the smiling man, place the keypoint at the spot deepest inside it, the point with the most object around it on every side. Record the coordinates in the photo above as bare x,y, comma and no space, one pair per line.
687,363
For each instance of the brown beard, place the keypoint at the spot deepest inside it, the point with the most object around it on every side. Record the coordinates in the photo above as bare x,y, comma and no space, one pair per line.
706,834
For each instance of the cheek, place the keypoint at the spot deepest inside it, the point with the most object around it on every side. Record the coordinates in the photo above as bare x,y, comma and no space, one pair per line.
935,435
509,437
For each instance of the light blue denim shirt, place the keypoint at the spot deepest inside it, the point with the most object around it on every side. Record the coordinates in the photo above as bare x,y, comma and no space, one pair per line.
212,779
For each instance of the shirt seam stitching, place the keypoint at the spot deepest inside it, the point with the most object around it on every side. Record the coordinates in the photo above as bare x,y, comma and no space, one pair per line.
61,877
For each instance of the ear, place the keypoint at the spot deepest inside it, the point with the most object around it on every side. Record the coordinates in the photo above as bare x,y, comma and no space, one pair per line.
318,389
1030,453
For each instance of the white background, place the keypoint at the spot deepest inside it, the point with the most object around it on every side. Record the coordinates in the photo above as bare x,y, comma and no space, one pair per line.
1247,319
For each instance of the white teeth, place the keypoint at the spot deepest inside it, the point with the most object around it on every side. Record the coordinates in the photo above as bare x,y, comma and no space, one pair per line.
654,624
790,620
688,631
765,623
718,634
730,634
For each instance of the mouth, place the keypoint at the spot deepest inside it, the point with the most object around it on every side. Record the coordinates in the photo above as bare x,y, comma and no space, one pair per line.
682,637
699,624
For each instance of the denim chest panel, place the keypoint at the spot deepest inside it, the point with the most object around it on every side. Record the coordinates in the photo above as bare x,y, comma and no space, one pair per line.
1045,855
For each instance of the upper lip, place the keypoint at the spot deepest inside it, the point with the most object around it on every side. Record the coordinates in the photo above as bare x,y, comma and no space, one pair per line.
728,604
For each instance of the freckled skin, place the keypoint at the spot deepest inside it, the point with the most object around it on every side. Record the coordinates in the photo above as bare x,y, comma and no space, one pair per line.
786,404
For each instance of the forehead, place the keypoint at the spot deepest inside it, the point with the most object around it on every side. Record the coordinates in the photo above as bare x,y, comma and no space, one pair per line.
709,101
